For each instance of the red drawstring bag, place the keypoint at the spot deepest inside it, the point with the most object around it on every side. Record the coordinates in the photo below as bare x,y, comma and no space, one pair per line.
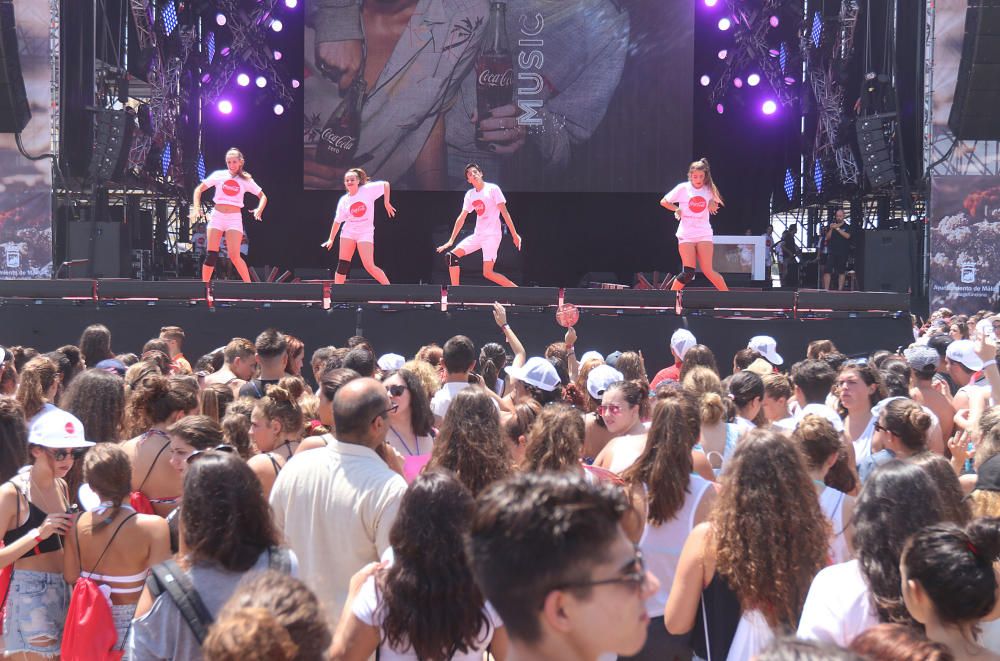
90,633
5,575
140,503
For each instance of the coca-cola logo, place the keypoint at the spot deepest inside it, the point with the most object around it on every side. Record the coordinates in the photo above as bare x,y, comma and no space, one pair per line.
488,78
69,428
337,141
479,206
697,204
358,209
231,187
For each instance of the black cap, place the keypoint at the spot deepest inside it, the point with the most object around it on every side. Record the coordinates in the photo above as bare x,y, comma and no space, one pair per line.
988,475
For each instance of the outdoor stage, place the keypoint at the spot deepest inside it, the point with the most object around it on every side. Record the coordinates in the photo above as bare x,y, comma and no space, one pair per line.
400,318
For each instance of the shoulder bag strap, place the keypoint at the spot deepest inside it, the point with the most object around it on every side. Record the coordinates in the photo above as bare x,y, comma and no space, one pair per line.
177,584
152,466
106,547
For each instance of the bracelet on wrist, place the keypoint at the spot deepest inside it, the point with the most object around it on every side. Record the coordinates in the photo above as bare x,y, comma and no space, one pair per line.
36,534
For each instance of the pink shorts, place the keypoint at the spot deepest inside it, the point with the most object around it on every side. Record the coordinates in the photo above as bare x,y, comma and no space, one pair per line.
226,221
489,244
359,232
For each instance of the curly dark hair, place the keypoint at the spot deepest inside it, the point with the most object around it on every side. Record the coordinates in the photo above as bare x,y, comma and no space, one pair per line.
225,518
665,464
98,399
13,438
770,534
469,444
555,440
154,400
430,601
884,517
421,415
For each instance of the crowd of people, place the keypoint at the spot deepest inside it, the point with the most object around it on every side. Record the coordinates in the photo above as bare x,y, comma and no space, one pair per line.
472,504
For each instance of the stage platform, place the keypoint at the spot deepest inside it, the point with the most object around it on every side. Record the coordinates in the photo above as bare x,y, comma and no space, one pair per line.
400,318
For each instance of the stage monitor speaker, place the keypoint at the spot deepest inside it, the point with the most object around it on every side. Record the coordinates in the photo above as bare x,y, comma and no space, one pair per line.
14,109
112,142
876,151
885,260
103,245
975,112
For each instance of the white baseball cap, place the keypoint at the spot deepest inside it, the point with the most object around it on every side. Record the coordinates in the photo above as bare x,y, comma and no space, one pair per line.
766,346
537,372
600,378
681,341
391,361
58,429
590,355
964,352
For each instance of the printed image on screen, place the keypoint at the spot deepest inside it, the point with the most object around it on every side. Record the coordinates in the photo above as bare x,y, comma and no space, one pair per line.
545,95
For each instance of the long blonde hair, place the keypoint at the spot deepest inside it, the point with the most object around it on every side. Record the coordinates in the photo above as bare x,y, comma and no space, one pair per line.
701,165
242,173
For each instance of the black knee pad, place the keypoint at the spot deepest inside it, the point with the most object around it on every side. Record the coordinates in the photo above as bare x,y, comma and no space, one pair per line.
452,259
211,257
343,267
687,275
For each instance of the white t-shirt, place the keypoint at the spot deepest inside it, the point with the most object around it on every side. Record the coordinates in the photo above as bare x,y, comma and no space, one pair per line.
442,398
822,410
360,208
692,201
485,203
229,189
365,608
838,607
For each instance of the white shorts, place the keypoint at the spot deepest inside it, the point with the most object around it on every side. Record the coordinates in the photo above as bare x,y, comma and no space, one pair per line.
226,221
488,243
359,232
694,233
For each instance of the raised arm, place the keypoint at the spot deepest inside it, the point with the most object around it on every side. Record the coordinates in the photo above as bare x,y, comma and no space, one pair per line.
500,316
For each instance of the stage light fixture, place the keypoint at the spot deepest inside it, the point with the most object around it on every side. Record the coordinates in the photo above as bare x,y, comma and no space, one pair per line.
279,109
220,19
165,159
225,106
723,53
818,175
210,46
769,107
206,77
295,83
291,4
817,29
242,80
737,82
277,25
277,55
711,3
725,24
261,82
773,21
753,80
705,81
170,18
719,108
789,184
201,167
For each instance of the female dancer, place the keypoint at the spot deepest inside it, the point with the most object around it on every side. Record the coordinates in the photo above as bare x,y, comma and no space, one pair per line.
489,204
356,213
692,202
231,185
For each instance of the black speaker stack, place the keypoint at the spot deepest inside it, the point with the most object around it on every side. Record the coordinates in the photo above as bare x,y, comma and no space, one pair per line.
975,111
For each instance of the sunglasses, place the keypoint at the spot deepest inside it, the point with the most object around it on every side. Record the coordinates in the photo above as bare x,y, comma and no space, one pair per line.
634,578
61,453
227,449
879,427
605,409
395,390
392,409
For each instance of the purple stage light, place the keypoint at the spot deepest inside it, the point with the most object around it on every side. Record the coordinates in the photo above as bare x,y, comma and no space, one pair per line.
705,80
279,109
710,3
278,55
769,107
291,4
225,106
276,25
295,83
737,82
789,80
719,108
242,80
261,81
220,19
205,77
723,53
225,51
773,21
753,80
725,24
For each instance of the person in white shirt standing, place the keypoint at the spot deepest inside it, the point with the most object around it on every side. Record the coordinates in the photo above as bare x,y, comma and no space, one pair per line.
356,215
230,186
692,202
489,203
336,504
459,358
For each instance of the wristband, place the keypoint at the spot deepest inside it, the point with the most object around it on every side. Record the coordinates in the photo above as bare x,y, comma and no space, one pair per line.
570,349
37,535
505,327
987,363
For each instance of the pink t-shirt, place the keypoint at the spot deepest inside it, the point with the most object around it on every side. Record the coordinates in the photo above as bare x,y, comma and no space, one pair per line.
360,208
229,189
693,203
485,203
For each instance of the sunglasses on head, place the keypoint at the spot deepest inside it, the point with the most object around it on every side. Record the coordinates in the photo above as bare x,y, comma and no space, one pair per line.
61,453
395,390
227,449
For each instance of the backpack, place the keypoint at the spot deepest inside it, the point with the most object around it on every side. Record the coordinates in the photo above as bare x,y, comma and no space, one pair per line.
170,578
90,633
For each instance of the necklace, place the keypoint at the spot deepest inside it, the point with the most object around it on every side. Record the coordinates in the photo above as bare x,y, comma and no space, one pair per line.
408,451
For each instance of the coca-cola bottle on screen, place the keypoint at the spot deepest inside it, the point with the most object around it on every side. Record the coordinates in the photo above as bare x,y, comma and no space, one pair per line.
494,67
339,140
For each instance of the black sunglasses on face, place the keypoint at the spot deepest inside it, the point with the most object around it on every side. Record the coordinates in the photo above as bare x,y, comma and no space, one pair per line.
228,449
395,390
61,453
